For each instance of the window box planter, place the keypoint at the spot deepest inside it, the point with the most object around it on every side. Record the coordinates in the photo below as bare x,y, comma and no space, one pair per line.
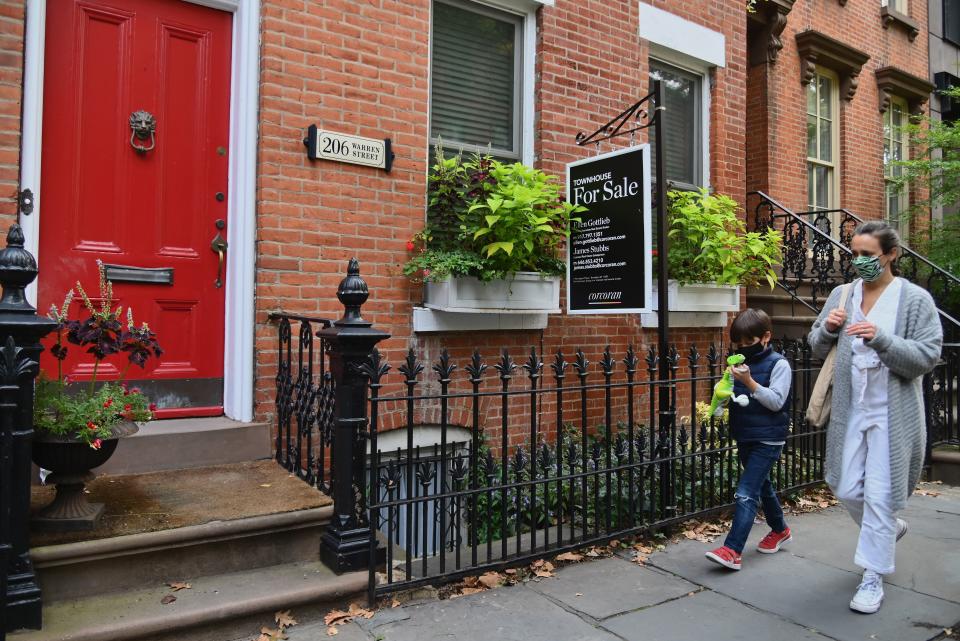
699,297
525,293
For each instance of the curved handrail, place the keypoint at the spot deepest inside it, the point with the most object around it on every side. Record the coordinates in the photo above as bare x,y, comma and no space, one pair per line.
947,318
906,249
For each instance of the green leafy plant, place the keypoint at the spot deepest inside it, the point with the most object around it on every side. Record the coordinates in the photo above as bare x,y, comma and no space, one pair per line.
87,412
490,219
710,244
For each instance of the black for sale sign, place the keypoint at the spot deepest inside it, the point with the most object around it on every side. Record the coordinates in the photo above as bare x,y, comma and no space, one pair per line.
609,255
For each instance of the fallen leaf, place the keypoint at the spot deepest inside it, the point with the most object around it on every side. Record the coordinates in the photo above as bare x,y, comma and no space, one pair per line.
640,559
592,553
267,634
690,534
570,556
690,593
471,581
332,631
176,586
167,600
336,617
615,543
490,579
824,504
284,619
356,611
579,594
467,592
643,549
395,603
543,574
510,571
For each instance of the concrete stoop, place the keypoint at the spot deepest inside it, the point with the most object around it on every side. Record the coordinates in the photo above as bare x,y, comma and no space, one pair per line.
945,465
136,560
215,608
241,572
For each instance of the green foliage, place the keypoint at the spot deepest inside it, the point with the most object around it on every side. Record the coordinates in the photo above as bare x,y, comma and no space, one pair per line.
710,244
936,159
87,416
490,219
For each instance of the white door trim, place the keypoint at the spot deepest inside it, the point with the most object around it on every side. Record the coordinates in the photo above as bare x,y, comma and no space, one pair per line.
241,203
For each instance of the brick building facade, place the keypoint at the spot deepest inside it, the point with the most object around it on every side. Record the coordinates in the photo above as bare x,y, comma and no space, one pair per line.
364,68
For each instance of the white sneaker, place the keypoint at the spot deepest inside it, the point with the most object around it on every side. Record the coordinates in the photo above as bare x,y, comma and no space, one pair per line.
869,594
902,528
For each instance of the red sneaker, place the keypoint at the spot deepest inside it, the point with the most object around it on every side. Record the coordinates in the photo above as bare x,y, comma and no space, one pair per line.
725,557
774,541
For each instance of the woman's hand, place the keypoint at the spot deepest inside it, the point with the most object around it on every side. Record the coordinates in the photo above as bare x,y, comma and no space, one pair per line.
836,319
865,330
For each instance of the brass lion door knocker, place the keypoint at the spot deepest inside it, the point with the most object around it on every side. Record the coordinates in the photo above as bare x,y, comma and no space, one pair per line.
143,126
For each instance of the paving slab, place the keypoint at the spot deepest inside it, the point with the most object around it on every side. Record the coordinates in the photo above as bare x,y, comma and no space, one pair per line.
505,614
812,594
924,564
606,587
318,632
709,616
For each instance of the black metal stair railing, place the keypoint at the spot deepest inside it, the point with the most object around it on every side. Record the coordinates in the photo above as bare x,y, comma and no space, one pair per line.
304,399
815,262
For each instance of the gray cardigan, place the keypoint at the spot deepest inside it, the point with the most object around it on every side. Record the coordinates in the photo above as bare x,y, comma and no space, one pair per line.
910,352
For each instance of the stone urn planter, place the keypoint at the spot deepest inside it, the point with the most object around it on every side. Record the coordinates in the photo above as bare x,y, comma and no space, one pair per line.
525,293
70,462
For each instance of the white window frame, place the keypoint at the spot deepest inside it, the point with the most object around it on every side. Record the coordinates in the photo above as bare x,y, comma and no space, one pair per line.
834,165
903,221
684,63
526,10
900,6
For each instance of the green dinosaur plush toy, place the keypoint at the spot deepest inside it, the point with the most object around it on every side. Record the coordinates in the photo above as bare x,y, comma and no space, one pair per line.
723,390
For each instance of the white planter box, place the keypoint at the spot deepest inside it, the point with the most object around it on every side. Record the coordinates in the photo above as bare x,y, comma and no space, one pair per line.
700,297
525,293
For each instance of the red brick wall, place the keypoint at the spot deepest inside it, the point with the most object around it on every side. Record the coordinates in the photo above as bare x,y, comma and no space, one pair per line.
353,68
858,25
11,96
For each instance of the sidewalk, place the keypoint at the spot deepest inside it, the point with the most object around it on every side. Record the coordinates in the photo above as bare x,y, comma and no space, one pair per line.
799,594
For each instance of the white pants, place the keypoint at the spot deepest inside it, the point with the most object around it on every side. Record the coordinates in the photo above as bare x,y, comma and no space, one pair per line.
864,486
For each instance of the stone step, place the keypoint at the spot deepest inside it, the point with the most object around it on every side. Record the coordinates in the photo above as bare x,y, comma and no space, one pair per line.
216,608
945,464
133,561
187,443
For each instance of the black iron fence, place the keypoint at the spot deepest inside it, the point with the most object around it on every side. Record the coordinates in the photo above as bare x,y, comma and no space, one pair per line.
447,468
304,400
588,459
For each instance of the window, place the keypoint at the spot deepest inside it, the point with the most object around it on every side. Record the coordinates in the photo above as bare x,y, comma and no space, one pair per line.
476,71
682,123
894,149
951,20
822,140
900,6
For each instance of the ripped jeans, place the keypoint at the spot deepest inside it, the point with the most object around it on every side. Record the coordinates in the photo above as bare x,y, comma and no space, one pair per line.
754,490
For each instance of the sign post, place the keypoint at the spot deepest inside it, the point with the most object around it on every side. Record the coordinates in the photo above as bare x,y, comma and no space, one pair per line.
647,113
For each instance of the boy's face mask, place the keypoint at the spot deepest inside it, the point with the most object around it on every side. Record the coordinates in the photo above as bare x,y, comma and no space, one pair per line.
750,351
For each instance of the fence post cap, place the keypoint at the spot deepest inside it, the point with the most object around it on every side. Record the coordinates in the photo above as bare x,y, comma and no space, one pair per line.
18,268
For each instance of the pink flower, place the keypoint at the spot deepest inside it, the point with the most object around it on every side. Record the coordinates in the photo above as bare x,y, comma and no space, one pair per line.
127,407
153,407
91,425
426,272
96,444
108,402
135,390
410,246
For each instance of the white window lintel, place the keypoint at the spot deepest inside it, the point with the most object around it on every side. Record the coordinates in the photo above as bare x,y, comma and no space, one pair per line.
671,32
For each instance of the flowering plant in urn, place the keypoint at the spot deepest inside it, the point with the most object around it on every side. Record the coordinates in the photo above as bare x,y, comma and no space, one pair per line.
83,411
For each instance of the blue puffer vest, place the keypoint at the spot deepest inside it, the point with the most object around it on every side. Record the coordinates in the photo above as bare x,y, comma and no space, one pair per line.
755,422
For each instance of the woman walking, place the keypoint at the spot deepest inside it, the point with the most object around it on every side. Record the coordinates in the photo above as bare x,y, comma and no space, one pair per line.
888,336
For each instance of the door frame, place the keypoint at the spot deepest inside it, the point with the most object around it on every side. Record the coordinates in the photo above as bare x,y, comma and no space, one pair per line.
238,366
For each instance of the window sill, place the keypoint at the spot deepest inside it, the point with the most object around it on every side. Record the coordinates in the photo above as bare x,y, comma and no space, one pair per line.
429,321
892,16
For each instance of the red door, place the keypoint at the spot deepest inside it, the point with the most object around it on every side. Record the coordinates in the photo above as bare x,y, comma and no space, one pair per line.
149,214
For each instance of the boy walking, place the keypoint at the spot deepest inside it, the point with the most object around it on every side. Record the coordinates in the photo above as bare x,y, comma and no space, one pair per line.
760,429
